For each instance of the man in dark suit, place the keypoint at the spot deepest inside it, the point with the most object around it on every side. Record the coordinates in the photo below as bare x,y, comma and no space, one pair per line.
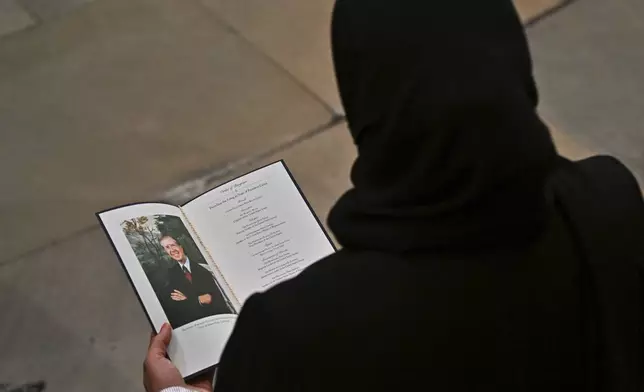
192,292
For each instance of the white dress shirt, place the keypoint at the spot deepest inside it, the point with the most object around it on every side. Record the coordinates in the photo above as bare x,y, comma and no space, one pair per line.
186,264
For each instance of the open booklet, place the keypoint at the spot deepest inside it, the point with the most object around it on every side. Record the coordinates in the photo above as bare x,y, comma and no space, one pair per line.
194,265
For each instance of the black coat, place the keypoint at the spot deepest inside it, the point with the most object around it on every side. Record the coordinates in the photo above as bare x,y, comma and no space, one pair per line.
183,312
542,317
474,258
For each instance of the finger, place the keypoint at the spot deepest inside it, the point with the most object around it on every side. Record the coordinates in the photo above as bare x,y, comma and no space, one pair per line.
178,292
152,335
204,381
146,385
159,343
201,386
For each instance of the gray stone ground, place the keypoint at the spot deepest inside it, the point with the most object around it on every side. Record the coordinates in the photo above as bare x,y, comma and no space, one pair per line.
589,64
106,102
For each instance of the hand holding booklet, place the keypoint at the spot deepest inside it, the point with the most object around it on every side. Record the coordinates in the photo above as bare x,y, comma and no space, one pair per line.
194,265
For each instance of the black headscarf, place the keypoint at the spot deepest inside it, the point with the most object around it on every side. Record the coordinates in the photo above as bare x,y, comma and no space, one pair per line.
452,154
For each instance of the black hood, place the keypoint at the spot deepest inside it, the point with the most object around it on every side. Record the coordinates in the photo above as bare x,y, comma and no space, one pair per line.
440,100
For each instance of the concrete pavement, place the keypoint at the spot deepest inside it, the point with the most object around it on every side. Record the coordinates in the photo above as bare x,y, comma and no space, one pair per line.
588,63
121,99
105,102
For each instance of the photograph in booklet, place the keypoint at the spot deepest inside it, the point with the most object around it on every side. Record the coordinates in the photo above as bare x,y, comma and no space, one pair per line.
179,274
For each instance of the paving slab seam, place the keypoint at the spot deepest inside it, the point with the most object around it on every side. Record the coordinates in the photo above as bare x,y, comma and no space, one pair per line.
549,12
268,58
36,18
26,255
195,186
202,183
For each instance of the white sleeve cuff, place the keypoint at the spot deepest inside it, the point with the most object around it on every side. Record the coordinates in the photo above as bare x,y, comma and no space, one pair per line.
177,389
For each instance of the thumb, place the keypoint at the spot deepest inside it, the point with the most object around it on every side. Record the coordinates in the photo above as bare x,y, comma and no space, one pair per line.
160,342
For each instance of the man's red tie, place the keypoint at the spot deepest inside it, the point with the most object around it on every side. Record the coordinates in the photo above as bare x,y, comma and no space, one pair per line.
187,273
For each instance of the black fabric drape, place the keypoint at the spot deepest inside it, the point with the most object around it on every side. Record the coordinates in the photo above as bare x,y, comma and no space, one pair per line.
465,238
440,101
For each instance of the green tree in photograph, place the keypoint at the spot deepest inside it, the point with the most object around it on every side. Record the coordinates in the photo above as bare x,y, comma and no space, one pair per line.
142,230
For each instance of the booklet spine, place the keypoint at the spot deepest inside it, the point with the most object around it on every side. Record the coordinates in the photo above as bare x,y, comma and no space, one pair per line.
230,288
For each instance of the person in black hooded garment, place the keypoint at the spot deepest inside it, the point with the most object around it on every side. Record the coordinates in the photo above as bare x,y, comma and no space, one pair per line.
473,256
